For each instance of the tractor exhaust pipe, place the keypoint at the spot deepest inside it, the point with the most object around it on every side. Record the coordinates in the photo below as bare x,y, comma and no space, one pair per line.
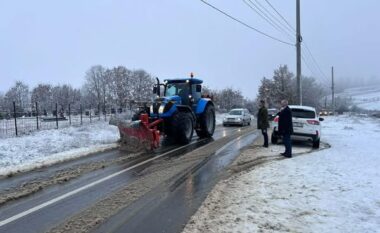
158,86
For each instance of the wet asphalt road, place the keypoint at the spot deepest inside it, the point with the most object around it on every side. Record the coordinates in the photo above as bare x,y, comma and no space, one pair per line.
167,209
172,205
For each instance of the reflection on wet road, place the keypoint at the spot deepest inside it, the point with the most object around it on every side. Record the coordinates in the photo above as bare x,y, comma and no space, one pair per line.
169,210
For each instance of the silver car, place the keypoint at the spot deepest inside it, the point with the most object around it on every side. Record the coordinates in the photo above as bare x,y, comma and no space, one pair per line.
237,116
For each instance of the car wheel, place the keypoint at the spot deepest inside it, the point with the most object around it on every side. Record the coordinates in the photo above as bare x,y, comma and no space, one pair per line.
316,144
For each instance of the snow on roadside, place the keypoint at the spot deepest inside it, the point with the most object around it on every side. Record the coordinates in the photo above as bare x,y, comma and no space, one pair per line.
51,146
333,190
219,118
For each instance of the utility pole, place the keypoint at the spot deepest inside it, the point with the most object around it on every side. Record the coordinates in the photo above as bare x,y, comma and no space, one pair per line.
298,45
332,90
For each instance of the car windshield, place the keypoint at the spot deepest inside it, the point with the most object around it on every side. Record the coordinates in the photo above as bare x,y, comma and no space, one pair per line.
181,89
303,113
236,112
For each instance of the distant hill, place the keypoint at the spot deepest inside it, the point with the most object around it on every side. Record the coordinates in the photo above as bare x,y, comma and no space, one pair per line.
367,98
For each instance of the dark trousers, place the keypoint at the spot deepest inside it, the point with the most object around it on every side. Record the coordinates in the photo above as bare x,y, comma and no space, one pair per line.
288,144
265,134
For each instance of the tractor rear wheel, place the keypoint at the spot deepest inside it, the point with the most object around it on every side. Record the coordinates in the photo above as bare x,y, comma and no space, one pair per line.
183,125
207,122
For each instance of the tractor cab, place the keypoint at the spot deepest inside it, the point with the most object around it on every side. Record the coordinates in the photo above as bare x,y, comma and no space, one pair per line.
188,90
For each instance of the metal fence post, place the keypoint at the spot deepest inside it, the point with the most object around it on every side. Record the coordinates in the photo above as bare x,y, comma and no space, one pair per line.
99,111
56,114
81,120
14,112
105,113
69,114
38,127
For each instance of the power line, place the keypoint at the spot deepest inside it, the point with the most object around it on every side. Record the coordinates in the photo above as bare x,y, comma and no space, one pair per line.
315,61
246,25
282,17
274,17
257,12
268,19
307,65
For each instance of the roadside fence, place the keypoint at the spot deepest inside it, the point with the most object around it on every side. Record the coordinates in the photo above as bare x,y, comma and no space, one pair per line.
16,123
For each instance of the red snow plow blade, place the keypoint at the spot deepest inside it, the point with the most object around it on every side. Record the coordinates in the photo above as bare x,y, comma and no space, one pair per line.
139,135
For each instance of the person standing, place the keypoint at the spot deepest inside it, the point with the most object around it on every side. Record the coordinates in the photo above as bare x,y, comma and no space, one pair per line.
285,127
262,121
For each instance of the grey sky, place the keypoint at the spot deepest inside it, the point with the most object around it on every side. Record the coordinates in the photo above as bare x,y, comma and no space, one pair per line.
57,41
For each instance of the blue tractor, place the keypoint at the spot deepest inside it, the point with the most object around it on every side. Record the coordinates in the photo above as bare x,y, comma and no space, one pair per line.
178,110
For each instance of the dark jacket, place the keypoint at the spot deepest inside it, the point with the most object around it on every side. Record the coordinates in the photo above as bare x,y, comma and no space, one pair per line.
262,118
285,122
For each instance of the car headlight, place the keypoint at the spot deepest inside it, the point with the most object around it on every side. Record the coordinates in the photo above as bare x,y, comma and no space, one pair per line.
239,119
161,109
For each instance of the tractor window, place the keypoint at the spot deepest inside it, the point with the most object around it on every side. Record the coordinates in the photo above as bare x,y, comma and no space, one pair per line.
196,95
181,89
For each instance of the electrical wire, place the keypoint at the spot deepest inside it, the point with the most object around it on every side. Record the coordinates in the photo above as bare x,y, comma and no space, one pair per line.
307,65
267,18
315,61
282,17
246,25
274,17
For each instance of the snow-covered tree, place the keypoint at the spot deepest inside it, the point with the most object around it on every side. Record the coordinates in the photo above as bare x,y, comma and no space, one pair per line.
96,85
19,93
120,86
142,84
229,98
43,95
284,86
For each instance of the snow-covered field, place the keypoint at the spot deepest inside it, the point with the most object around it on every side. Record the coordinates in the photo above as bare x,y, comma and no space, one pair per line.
46,147
332,190
364,97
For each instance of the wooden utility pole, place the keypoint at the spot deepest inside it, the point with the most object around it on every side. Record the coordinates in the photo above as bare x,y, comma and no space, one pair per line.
298,45
332,90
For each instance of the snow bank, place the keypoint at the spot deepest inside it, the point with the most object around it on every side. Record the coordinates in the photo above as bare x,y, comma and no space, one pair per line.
333,190
219,118
51,146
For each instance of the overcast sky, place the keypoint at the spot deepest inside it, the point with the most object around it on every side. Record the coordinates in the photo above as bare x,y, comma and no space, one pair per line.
57,41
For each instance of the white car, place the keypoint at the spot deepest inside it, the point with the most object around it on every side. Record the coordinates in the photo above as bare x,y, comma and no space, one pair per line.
237,116
306,125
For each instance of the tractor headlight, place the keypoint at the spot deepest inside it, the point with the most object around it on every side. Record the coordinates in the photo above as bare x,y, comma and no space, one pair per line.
161,109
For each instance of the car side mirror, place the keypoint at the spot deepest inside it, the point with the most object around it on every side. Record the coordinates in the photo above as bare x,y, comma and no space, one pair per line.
321,119
154,89
198,88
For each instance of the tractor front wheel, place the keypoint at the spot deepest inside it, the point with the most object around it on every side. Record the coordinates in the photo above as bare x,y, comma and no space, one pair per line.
183,125
207,122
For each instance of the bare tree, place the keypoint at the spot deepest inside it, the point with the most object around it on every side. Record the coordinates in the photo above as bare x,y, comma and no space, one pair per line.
96,84
43,95
19,93
120,86
65,95
142,84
